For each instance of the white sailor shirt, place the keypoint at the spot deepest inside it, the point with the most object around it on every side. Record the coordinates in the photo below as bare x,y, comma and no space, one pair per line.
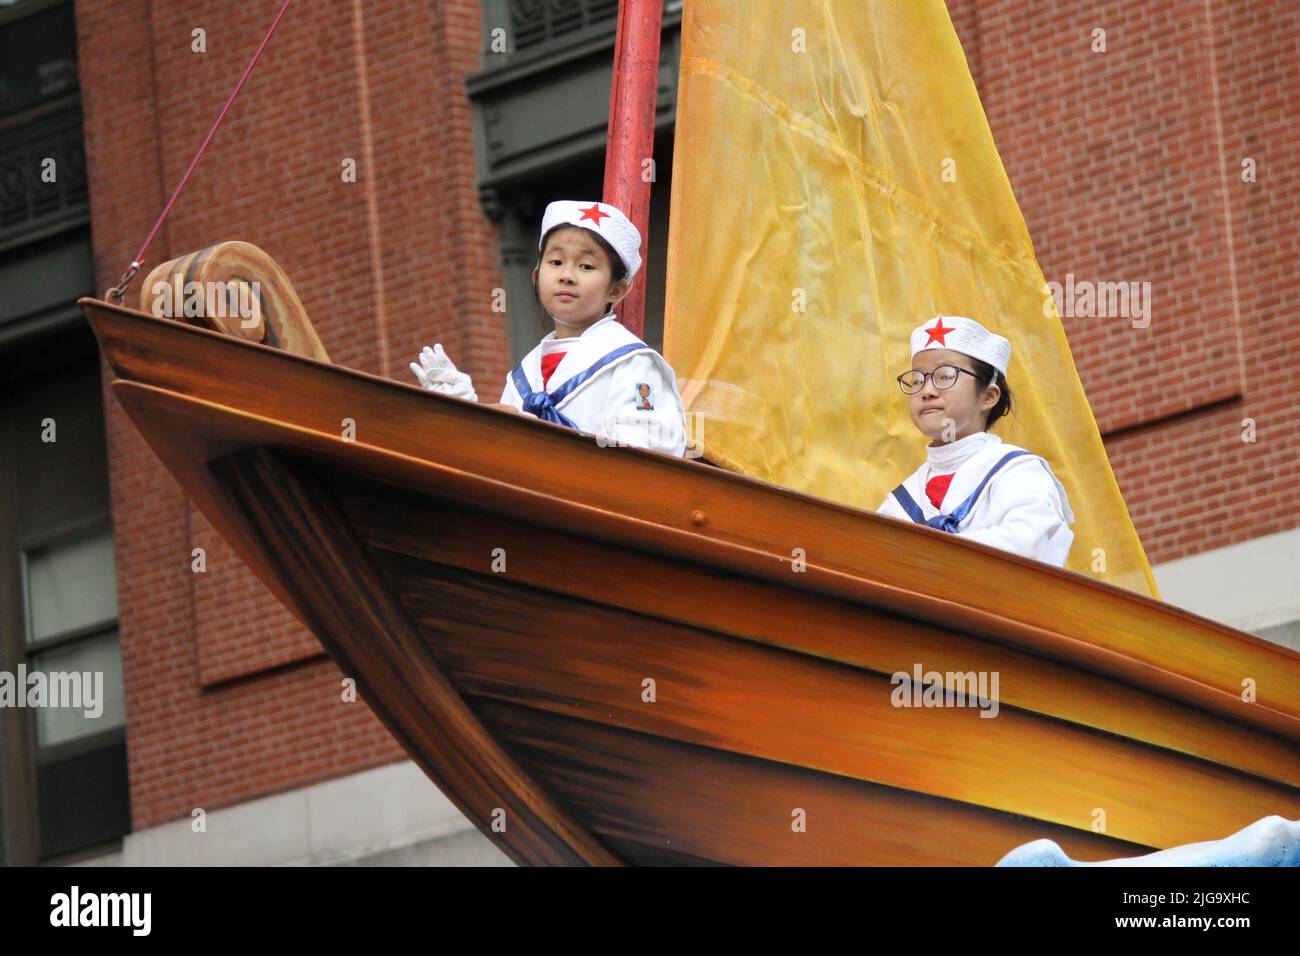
609,383
1022,509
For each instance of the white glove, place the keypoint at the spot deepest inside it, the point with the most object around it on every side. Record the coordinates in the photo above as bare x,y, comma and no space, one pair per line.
437,373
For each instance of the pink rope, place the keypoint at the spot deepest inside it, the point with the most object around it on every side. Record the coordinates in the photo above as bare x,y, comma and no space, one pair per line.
139,256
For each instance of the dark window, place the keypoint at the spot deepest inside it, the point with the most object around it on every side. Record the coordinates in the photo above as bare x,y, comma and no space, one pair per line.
533,22
540,129
38,54
65,780
42,158
531,25
63,773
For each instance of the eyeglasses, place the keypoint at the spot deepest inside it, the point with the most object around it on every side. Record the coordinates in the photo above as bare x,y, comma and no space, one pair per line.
945,377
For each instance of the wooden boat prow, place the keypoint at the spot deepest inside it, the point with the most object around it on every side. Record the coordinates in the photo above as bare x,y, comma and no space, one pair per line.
608,655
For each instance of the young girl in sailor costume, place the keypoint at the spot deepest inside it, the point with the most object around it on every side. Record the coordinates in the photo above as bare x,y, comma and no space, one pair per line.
973,484
590,373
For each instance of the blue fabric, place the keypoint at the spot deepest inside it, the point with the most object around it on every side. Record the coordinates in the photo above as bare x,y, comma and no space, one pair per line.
543,404
950,521
1270,841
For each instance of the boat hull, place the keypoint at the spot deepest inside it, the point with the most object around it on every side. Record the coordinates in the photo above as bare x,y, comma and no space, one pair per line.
604,655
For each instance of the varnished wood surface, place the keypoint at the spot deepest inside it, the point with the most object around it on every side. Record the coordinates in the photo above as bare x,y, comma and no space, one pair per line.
560,655
350,608
399,524
651,566
728,808
560,479
277,319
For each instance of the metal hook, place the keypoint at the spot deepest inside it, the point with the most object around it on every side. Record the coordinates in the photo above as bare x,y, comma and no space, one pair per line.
118,293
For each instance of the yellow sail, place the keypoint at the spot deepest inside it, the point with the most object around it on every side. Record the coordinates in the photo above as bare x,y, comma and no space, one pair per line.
835,184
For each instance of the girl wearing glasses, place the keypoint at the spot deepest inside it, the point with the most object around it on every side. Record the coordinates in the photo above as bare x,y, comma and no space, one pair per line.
972,483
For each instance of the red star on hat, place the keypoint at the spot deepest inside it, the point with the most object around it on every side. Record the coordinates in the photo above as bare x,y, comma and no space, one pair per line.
594,213
937,332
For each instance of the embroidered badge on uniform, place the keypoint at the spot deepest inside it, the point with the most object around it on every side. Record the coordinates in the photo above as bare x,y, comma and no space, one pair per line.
643,398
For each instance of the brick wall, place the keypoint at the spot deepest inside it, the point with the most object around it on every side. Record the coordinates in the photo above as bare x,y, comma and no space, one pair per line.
1127,167
228,696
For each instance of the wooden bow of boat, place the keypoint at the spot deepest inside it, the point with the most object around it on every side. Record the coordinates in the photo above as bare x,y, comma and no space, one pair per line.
607,655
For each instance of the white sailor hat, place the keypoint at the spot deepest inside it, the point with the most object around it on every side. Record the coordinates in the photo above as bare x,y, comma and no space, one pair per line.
960,334
604,220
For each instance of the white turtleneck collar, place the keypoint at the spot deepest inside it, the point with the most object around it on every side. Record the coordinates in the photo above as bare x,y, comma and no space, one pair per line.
551,344
945,459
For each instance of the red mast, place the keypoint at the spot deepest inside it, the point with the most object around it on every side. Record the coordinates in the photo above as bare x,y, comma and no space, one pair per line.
632,131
